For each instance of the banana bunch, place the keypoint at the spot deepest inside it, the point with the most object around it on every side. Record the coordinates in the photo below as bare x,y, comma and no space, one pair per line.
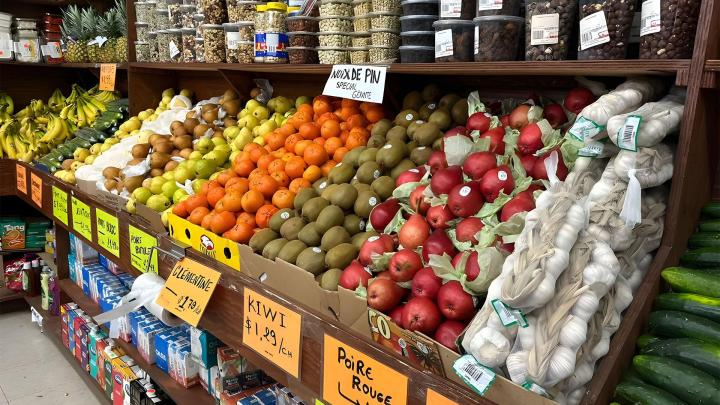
14,144
57,101
7,106
83,107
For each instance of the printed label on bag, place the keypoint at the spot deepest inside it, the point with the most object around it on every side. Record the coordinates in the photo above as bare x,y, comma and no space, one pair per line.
232,39
530,385
484,5
545,29
650,22
593,30
477,40
584,128
450,8
477,376
593,149
509,316
443,43
174,50
627,134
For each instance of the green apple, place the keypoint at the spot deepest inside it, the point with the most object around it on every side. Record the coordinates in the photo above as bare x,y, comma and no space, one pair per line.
158,203
156,184
141,194
179,195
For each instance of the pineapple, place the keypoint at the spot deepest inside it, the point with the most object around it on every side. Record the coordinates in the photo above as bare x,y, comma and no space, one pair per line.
75,51
106,52
121,23
89,23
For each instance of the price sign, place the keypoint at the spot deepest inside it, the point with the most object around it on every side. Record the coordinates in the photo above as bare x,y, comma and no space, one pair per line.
141,250
352,377
188,289
272,330
81,218
60,207
357,82
36,189
108,232
433,398
107,76
21,178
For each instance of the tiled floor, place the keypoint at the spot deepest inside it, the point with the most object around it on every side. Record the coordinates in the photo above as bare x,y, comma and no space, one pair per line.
32,369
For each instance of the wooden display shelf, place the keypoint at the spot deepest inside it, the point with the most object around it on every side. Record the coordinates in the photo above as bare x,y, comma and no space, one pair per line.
19,251
119,66
713,65
195,395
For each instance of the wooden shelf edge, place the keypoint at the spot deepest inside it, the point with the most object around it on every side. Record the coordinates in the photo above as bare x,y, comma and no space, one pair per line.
119,66
712,65
20,251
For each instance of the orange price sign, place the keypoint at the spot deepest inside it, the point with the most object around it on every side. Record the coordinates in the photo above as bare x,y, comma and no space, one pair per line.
107,76
36,189
188,289
21,178
433,398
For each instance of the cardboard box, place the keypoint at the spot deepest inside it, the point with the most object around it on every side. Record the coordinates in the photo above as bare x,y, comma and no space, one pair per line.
113,201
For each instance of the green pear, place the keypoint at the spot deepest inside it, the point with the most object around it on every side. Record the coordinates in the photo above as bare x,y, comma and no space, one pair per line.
302,100
184,173
158,203
141,194
156,184
169,189
170,176
261,113
179,195
204,168
130,206
197,185
195,155
217,141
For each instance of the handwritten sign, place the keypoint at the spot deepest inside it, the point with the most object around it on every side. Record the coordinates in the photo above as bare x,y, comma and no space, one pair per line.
36,189
141,250
21,178
433,398
81,218
272,330
108,232
188,289
357,82
352,377
60,207
107,76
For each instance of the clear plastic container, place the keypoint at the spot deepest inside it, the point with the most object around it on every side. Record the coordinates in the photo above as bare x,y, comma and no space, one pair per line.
27,46
458,9
675,36
260,18
417,38
333,56
52,19
302,55
361,23
389,6
334,39
336,8
499,7
175,44
153,46
606,35
214,43
417,54
244,31
417,22
276,13
143,52
162,21
26,23
141,31
361,7
498,37
359,55
174,14
302,23
200,50
334,24
381,20
454,40
188,45
382,54
144,11
548,28
303,39
161,4
388,38
163,46
361,39
215,12
199,20
241,10
191,2
420,7
276,44
51,46
187,16
240,51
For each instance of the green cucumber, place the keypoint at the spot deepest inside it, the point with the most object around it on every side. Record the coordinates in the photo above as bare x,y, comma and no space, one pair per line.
679,379
704,239
631,375
643,394
712,225
696,281
701,355
680,324
711,209
645,340
707,307
701,257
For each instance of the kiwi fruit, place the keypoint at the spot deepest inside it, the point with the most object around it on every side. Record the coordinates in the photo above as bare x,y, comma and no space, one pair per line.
420,155
448,101
291,227
333,237
303,196
156,172
320,184
431,92
441,118
200,130
405,117
182,142
131,183
397,133
383,186
291,250
171,165
330,279
341,255
185,153
163,147
353,224
381,127
412,100
279,218
111,172
311,259
328,191
367,200
341,173
330,216
391,154
190,124
140,150
360,187
412,127
427,133
368,155
426,110
405,164
376,141
158,160
309,235
359,238
110,184
368,172
344,196
312,208
352,156
459,111
272,248
67,164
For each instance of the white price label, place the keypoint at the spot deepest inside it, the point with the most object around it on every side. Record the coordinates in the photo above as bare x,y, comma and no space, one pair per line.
508,316
443,43
584,128
593,30
545,29
232,40
650,22
477,39
485,5
450,8
477,376
627,134
357,82
593,149
174,50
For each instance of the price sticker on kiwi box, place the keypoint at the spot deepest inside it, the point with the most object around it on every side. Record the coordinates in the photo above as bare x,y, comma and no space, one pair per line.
108,232
21,178
36,189
352,377
141,250
107,76
81,218
272,330
60,205
188,289
357,82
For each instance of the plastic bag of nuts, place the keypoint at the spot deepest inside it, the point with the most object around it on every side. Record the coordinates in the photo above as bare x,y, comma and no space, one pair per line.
383,54
302,23
188,45
334,39
359,55
361,23
214,42
214,12
302,55
668,32
303,39
333,56
334,24
385,38
605,28
362,7
498,7
454,40
387,21
336,8
241,10
548,26
390,6
461,9
420,7
497,37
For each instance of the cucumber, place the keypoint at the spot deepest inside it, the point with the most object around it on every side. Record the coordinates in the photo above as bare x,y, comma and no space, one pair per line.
702,257
707,307
701,355
701,282
685,382
631,376
645,340
704,239
680,324
643,394
711,209
712,225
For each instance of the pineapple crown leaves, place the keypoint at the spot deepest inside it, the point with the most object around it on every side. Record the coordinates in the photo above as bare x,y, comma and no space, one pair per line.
71,26
89,23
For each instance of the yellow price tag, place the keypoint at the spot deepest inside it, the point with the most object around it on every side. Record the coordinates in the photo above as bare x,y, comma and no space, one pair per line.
141,250
221,249
107,76
433,398
60,207
352,377
319,402
21,178
108,232
36,189
188,289
272,330
81,218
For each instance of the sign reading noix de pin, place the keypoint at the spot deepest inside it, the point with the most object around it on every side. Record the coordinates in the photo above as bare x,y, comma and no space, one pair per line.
357,82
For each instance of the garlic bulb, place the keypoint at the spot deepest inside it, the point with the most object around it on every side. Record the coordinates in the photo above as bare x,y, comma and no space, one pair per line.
562,365
516,364
573,333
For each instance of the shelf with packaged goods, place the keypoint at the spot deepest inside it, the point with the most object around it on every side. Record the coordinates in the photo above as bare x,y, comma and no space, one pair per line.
118,66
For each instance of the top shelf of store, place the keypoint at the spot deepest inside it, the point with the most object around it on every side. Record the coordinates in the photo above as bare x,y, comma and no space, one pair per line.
120,66
713,65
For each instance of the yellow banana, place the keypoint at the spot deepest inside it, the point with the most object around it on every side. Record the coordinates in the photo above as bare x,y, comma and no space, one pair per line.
95,103
53,130
10,146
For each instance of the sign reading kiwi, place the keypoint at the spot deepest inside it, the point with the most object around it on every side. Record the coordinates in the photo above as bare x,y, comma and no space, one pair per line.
357,82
